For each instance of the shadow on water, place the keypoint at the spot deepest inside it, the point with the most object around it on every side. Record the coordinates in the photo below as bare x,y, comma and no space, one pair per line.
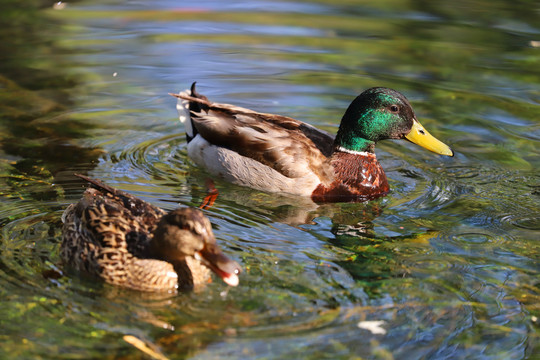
37,132
38,141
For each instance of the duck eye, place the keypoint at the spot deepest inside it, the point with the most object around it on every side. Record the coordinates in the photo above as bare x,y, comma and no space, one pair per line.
394,108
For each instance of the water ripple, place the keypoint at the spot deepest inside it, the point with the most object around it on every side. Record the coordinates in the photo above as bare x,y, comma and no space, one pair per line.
29,247
158,157
472,238
524,221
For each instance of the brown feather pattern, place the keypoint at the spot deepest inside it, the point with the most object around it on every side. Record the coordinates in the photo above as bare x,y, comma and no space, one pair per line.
357,178
109,233
291,147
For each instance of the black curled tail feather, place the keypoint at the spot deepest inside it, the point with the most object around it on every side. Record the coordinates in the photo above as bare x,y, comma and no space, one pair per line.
194,105
189,106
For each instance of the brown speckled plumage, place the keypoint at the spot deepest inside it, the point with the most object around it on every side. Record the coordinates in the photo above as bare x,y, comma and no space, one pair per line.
129,242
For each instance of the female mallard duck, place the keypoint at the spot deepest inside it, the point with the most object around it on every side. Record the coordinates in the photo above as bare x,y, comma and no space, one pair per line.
279,154
128,242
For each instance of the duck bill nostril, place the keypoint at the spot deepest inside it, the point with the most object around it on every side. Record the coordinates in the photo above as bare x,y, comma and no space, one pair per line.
420,136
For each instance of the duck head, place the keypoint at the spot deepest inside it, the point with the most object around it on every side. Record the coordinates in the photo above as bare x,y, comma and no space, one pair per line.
186,232
381,113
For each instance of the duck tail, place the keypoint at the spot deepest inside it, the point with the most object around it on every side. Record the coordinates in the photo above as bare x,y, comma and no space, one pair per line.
97,184
183,108
190,101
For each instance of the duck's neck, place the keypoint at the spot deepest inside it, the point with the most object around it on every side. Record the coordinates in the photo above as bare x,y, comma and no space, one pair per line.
353,144
191,273
354,152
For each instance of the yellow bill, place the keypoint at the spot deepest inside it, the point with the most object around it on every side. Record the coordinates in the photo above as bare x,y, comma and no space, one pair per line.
420,136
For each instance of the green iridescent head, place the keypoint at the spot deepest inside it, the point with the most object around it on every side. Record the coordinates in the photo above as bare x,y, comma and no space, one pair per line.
381,113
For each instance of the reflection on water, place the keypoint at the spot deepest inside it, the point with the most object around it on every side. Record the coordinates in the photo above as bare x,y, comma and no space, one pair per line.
446,264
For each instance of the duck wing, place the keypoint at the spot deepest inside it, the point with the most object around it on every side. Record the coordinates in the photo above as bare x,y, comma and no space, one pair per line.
142,210
111,219
289,146
107,233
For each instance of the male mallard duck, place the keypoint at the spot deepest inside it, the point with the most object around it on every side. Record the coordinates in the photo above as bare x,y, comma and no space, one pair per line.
128,242
279,154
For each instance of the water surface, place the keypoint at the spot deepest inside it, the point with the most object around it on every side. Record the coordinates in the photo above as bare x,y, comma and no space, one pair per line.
447,263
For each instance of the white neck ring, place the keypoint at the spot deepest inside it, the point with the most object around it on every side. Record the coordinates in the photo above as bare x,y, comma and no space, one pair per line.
360,153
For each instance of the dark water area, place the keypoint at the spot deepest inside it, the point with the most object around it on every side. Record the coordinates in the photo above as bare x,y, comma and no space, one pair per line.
444,267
